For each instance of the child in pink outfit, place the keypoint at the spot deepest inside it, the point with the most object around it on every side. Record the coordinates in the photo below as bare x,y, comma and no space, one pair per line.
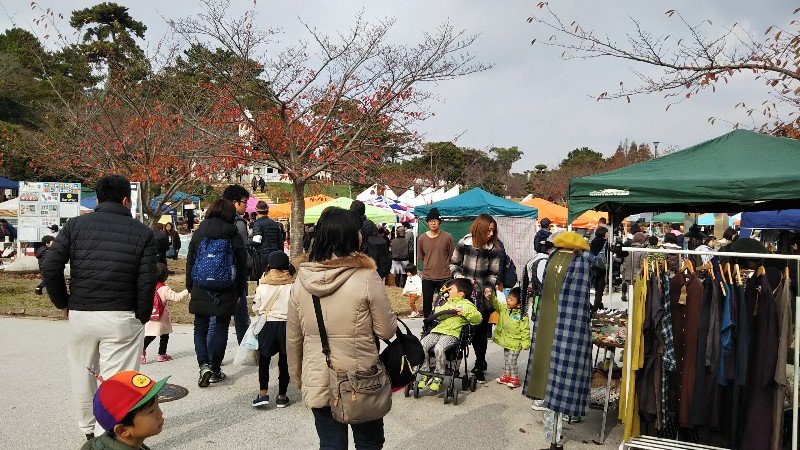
162,326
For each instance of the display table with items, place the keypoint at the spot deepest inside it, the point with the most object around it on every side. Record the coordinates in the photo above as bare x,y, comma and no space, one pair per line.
609,328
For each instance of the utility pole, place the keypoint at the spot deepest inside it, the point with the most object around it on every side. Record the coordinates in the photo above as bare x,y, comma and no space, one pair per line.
655,144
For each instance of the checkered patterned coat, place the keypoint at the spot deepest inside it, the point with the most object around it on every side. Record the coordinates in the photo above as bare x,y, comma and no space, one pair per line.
570,377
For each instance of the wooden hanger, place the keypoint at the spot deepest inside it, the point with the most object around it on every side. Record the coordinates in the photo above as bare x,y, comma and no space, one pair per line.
667,271
658,268
738,273
707,266
728,270
761,271
786,271
687,265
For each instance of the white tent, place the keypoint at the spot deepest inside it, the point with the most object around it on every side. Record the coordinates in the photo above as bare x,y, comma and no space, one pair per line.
527,197
407,196
388,193
455,191
438,195
417,201
368,193
428,190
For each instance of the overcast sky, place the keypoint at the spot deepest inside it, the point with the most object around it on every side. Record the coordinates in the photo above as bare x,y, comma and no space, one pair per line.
531,98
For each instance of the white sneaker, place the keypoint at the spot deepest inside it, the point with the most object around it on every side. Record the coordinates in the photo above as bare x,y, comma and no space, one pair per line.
538,405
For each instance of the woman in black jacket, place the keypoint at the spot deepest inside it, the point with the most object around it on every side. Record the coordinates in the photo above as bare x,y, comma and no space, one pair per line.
207,303
174,240
598,245
162,242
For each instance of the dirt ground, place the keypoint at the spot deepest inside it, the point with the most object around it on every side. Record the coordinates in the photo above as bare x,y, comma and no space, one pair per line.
17,296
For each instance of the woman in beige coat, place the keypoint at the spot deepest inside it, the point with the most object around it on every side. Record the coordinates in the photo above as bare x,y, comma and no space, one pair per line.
355,309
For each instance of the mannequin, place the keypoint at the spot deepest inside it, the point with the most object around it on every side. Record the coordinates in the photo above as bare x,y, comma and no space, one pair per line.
559,368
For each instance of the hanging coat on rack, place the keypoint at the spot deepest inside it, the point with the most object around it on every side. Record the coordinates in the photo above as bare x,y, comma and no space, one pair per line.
686,296
758,423
783,304
668,363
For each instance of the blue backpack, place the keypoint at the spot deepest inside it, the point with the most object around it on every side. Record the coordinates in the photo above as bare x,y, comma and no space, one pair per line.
213,267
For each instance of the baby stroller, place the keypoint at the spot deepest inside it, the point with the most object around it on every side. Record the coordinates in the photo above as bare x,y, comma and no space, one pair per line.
453,355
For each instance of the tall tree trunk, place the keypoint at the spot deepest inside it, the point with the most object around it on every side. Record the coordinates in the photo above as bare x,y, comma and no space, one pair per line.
298,216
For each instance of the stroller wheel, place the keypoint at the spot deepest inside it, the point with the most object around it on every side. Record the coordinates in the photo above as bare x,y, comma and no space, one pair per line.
407,390
447,394
473,384
455,395
416,390
465,384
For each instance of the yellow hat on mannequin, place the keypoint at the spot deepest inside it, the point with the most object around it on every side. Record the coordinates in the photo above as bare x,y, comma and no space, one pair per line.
570,240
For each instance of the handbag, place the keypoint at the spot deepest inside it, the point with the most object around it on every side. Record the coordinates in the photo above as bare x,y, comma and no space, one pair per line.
158,305
246,357
250,339
254,260
355,396
599,262
402,356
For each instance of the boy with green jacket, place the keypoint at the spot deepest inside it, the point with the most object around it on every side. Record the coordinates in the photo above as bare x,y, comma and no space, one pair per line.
446,334
512,333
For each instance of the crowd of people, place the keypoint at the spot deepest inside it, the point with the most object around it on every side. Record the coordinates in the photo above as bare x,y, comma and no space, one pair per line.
320,314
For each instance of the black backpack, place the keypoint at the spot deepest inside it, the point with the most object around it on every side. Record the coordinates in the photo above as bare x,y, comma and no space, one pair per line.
508,270
402,356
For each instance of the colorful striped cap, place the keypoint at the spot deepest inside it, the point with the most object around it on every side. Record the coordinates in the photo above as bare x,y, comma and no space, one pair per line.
120,394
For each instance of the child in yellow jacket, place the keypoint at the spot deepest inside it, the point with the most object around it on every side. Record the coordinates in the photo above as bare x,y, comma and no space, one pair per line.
446,334
513,333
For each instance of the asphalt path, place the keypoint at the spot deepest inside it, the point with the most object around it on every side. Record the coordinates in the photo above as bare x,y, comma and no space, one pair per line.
37,412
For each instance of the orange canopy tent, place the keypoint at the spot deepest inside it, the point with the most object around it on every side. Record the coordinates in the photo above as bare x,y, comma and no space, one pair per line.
556,213
284,210
589,219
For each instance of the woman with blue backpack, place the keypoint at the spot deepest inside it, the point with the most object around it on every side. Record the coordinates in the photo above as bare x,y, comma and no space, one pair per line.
216,276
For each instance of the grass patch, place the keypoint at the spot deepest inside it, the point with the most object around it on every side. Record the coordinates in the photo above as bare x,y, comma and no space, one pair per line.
17,296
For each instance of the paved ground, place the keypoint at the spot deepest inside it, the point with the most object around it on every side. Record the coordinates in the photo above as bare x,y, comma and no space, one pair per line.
36,410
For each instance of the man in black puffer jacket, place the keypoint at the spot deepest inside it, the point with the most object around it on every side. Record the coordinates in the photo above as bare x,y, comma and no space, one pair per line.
267,232
113,280
371,242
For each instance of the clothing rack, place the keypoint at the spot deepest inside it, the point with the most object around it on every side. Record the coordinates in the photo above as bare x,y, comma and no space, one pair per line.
657,443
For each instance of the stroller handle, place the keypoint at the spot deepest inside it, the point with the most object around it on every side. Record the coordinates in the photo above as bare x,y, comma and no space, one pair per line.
435,316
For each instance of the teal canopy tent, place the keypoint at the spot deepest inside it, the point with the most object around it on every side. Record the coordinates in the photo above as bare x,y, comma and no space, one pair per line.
516,224
477,201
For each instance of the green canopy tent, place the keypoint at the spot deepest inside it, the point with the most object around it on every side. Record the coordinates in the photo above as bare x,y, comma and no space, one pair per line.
374,214
669,217
738,171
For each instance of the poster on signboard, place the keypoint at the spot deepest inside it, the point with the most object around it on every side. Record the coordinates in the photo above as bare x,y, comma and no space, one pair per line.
43,204
136,203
